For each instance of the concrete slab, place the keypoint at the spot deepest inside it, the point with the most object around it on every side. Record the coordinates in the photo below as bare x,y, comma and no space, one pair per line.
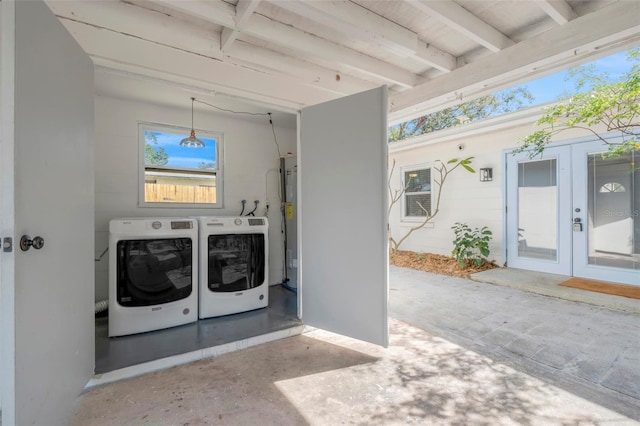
534,360
324,379
547,285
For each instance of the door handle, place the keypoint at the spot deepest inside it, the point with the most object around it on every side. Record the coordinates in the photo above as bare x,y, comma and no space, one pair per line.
577,224
26,243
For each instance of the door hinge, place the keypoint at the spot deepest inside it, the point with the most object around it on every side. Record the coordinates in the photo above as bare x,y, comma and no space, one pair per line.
7,244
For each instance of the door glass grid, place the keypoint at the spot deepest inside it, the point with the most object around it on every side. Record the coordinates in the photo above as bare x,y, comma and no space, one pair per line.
538,209
613,222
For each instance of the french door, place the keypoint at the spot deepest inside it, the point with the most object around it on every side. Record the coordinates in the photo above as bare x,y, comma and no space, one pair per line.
574,211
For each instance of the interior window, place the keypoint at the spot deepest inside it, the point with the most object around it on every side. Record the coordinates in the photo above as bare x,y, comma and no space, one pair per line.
178,173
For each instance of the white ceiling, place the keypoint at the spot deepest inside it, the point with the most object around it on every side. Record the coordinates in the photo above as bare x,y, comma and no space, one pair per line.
282,55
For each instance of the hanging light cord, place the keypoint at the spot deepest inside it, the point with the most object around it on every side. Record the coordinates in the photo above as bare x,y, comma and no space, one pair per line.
273,130
229,110
192,101
275,139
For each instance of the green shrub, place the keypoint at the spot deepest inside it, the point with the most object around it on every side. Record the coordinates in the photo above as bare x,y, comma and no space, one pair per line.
470,245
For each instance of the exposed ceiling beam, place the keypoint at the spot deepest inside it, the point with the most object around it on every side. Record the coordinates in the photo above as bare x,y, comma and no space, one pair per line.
559,10
357,22
463,21
287,36
216,11
613,25
303,42
244,10
159,61
312,74
106,68
435,58
142,23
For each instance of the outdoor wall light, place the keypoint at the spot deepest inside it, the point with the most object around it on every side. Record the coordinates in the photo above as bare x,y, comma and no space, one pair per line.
486,174
192,141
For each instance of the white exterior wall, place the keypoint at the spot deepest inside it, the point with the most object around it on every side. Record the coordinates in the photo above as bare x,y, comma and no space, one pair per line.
464,198
250,171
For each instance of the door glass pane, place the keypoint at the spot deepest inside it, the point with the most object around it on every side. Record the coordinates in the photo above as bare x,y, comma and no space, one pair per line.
538,209
613,222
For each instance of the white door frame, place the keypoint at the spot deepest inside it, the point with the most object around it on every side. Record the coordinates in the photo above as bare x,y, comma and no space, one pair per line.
572,191
562,264
581,266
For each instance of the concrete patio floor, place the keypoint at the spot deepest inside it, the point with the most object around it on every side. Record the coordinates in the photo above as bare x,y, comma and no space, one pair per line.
548,285
460,352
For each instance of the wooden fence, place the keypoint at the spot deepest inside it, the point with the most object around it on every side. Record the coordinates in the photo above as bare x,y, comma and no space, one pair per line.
167,193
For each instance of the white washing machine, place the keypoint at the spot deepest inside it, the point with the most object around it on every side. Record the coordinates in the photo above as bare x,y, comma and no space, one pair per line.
153,274
234,265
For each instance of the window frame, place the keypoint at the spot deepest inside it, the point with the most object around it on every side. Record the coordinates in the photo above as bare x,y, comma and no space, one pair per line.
404,171
218,172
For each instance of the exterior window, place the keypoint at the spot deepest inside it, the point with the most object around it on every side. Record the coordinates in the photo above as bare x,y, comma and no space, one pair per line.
417,196
172,175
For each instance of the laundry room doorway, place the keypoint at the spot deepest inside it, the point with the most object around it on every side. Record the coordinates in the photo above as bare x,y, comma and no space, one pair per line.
575,211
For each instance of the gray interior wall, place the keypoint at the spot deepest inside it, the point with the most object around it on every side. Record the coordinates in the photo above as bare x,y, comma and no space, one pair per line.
343,216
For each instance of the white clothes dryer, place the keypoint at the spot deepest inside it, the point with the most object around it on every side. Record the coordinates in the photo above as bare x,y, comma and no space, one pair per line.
234,265
153,274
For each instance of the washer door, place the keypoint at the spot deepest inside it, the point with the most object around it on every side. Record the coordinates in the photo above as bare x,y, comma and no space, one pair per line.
236,262
152,272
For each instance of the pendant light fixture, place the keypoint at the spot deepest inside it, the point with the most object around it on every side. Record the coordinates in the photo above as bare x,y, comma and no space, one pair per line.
192,141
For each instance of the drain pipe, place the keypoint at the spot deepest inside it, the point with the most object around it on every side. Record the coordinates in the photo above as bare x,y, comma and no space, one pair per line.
102,305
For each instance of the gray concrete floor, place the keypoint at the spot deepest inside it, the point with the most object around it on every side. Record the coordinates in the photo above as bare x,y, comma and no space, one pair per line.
460,352
120,352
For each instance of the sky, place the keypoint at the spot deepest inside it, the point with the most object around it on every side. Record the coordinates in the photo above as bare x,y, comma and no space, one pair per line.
554,86
180,156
